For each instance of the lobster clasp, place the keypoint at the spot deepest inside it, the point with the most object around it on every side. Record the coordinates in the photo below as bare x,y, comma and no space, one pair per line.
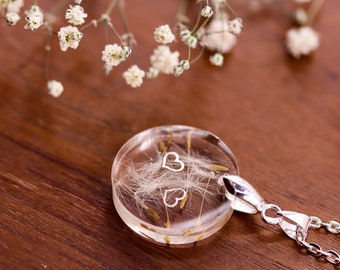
244,196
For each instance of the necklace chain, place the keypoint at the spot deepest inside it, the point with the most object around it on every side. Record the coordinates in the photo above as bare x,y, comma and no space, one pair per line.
296,225
331,226
313,248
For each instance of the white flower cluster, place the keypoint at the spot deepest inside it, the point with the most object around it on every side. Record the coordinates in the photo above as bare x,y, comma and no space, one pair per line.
113,55
216,59
12,18
214,31
11,5
163,34
207,11
235,26
181,67
218,36
189,39
134,76
164,60
75,15
69,37
302,41
12,9
55,88
34,18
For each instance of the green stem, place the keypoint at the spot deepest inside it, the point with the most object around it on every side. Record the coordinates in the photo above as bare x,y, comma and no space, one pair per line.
313,10
110,7
125,22
181,16
231,10
197,57
189,53
106,33
197,22
47,52
115,31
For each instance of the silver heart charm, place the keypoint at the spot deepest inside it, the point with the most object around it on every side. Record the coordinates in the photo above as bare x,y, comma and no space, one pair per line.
173,196
177,165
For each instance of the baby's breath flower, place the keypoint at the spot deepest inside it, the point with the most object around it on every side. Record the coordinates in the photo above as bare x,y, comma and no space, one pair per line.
178,70
134,76
75,15
191,42
126,52
12,18
152,73
163,34
217,36
188,38
302,41
216,59
69,37
181,67
300,16
11,5
164,60
185,64
113,55
207,11
235,26
185,34
34,18
55,88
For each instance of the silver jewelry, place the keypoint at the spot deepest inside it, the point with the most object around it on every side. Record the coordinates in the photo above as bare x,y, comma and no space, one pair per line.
177,185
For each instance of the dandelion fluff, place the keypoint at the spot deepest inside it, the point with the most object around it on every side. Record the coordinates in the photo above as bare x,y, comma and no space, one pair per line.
165,183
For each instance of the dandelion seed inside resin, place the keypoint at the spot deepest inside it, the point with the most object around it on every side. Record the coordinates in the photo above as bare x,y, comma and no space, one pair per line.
165,184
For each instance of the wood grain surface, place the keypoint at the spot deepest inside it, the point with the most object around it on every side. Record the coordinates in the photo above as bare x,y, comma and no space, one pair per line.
280,117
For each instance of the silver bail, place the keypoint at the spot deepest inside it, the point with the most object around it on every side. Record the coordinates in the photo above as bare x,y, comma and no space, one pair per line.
295,225
243,196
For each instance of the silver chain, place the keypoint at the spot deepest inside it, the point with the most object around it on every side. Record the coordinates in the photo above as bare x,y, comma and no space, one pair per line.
331,226
296,225
313,248
297,228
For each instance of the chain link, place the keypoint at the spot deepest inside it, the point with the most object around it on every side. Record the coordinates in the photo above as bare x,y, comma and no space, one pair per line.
331,226
313,248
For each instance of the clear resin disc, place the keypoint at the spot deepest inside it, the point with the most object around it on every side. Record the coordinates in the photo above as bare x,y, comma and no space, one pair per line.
166,184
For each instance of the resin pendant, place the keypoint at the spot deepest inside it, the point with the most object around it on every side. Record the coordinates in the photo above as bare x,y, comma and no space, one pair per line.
167,184
177,185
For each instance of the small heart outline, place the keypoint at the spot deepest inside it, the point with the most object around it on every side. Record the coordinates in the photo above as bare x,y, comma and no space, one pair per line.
176,160
177,199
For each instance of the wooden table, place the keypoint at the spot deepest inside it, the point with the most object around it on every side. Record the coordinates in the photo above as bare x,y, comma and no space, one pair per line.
280,117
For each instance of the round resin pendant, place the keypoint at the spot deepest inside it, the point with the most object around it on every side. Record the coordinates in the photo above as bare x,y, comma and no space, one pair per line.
167,184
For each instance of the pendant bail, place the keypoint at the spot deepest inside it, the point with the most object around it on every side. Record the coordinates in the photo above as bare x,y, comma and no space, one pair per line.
246,199
243,195
295,225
